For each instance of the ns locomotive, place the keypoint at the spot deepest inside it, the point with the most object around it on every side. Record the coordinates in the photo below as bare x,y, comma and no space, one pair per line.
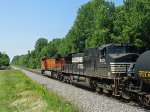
108,69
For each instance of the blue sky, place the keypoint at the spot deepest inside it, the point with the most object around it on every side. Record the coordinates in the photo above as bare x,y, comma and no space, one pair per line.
22,22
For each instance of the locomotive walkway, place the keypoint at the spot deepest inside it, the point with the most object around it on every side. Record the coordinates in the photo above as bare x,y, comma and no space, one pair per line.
87,101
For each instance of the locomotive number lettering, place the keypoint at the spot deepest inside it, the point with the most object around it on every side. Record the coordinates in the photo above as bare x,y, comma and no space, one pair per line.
144,74
102,60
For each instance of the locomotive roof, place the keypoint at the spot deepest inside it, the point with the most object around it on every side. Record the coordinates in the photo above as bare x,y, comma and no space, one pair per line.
72,54
55,56
66,55
78,54
112,44
121,55
104,46
85,52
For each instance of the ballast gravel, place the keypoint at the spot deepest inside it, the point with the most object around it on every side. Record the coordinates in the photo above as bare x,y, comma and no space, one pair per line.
87,101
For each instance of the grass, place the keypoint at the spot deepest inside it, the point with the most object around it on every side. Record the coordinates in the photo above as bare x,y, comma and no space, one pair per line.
18,93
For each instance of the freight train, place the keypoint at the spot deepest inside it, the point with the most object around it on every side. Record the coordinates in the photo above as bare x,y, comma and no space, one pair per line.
112,69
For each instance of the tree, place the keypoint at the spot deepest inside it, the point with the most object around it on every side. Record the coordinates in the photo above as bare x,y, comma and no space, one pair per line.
40,43
98,22
4,59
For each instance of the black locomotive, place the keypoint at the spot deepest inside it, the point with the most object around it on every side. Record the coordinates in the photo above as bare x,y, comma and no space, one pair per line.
108,69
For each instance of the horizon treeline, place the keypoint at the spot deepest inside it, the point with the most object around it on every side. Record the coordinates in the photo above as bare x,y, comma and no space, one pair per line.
4,60
98,22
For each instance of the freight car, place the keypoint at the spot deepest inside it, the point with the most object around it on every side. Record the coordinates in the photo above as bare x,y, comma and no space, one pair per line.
102,68
139,86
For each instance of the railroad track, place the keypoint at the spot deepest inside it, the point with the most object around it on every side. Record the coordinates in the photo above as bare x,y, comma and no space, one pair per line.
87,101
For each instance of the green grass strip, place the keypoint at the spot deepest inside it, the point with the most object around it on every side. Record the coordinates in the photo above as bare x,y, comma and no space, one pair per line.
18,93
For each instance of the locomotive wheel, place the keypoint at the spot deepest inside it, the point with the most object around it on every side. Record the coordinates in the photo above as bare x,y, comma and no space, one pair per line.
64,80
126,100
147,101
61,77
42,72
99,90
126,96
144,100
95,87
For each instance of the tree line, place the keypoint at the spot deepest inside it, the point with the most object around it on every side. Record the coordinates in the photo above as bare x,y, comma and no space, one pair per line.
4,60
98,22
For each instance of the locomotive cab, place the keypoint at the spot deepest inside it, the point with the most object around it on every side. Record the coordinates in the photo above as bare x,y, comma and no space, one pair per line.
109,65
116,59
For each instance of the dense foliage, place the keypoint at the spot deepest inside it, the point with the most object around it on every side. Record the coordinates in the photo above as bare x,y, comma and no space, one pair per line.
4,60
98,22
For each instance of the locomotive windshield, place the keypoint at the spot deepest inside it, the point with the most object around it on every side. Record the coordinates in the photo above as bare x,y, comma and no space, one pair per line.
120,49
117,50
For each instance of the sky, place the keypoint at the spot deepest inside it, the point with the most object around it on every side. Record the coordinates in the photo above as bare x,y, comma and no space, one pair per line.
22,22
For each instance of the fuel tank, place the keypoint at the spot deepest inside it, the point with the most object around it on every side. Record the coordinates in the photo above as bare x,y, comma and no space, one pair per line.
142,67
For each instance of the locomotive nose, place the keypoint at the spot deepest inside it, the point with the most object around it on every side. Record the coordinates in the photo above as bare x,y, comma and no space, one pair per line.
130,57
123,63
